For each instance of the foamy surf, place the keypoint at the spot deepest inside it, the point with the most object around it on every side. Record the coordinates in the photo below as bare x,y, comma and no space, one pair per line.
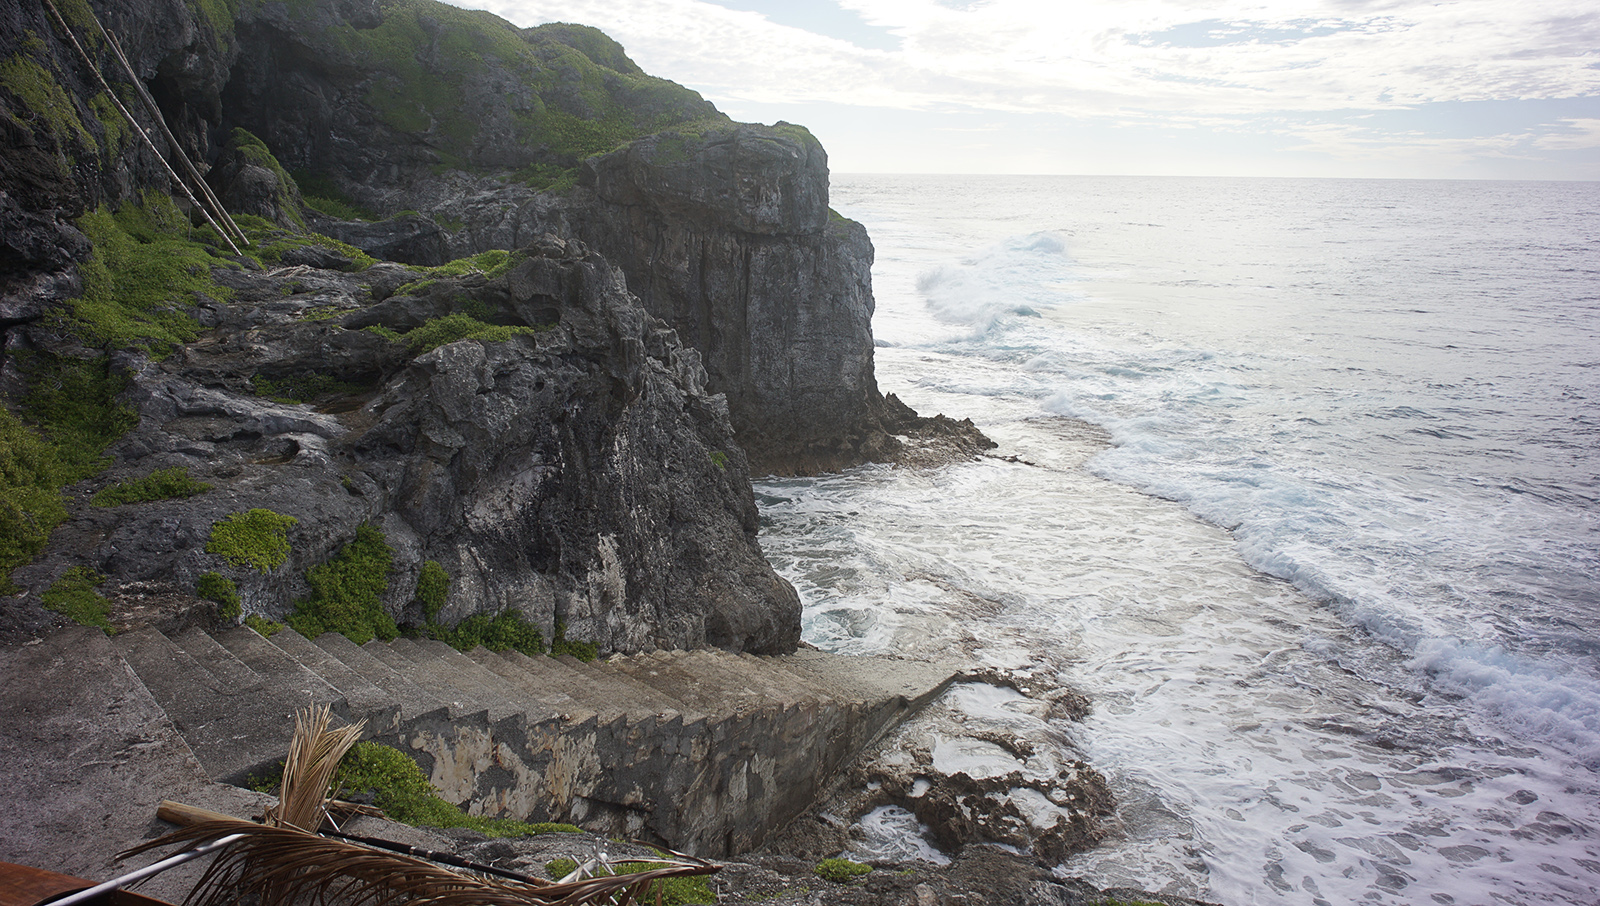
1368,672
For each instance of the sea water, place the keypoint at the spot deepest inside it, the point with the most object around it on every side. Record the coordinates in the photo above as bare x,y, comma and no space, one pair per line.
1298,481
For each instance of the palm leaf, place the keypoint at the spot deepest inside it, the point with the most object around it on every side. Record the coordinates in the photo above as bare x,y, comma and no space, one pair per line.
283,865
314,756
284,862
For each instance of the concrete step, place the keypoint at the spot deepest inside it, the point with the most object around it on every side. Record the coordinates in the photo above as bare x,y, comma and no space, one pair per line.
229,671
871,679
232,732
772,687
609,693
367,701
698,695
429,675
414,701
545,670
484,685
279,671
533,690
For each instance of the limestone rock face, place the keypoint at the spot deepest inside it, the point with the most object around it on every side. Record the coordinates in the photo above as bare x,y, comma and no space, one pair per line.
578,471
727,236
583,470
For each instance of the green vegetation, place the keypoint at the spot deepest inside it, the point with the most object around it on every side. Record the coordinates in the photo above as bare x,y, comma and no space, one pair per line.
321,193
44,97
400,789
300,388
586,96
256,152
30,494
263,626
433,590
388,333
841,871
583,651
720,460
219,588
347,592
269,243
75,413
162,484
491,264
74,597
455,327
142,273
257,538
505,631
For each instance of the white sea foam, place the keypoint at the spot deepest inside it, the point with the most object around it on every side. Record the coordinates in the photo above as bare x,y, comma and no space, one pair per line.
1397,417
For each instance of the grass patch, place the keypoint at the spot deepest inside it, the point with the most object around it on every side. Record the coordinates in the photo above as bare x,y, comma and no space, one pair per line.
840,871
30,494
257,538
405,795
456,327
74,597
162,484
219,588
75,413
144,272
347,592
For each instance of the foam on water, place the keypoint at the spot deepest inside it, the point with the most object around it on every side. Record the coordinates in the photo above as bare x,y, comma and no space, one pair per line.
1412,715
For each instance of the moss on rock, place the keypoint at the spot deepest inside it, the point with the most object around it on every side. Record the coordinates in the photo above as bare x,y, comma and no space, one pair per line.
257,538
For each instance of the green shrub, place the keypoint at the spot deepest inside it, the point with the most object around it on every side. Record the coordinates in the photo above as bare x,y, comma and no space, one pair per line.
74,597
506,630
557,869
219,588
347,592
76,404
433,589
75,410
841,871
143,274
257,538
162,484
263,626
400,789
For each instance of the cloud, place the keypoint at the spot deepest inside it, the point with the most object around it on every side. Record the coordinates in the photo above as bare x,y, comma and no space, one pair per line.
1103,58
1578,135
1228,65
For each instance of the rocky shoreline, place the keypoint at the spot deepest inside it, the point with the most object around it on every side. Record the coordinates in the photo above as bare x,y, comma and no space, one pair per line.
497,333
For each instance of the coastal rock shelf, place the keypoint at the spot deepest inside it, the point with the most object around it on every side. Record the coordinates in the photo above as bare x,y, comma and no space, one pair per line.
705,750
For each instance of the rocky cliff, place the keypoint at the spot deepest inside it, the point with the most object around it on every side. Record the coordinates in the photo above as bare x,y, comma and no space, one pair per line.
512,435
683,305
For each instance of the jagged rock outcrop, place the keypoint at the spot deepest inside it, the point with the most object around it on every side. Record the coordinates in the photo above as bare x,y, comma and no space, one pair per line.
578,471
727,235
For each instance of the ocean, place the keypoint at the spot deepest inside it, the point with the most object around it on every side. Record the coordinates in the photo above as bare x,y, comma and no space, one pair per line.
1297,480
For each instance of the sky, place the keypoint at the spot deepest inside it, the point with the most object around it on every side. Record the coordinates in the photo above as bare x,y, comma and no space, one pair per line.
1499,89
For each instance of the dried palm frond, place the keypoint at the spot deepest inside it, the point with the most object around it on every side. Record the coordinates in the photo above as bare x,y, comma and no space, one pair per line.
314,756
284,865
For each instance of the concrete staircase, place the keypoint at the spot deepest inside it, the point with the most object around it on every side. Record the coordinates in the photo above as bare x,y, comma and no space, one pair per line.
705,750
